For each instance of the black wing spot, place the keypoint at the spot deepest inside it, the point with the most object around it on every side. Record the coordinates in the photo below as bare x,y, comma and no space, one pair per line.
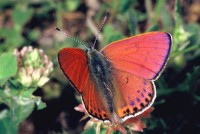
147,100
95,114
135,109
124,112
127,111
141,104
91,111
104,115
150,95
100,116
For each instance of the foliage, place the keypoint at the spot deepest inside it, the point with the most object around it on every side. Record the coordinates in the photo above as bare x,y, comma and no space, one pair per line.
24,23
17,87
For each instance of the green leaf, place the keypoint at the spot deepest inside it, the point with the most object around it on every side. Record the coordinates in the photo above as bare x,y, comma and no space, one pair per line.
194,29
72,5
125,5
21,16
153,28
110,34
28,92
2,81
39,103
166,20
34,34
12,38
159,7
3,96
8,66
192,78
132,22
21,108
178,7
181,36
7,126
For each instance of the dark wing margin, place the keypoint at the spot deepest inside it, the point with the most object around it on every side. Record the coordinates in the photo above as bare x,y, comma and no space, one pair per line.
167,56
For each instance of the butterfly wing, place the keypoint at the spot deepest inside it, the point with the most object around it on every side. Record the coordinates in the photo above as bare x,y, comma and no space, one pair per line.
93,103
143,55
135,62
133,95
74,64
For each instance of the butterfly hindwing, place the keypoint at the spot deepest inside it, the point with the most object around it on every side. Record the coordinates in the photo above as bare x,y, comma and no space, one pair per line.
133,95
93,102
74,64
143,55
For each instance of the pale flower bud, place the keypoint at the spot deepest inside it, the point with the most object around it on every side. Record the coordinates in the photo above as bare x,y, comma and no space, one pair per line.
42,81
34,67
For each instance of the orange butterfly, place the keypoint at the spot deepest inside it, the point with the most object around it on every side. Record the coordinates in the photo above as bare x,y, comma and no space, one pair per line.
117,83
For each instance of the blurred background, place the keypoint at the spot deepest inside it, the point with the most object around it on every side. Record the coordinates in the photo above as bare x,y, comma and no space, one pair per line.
33,23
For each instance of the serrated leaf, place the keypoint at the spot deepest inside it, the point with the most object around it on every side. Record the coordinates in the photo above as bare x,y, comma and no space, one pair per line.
8,66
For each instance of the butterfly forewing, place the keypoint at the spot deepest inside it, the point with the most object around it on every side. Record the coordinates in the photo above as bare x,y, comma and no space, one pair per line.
74,64
144,55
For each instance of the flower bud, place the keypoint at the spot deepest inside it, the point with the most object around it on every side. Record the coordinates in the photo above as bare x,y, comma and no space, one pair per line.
34,67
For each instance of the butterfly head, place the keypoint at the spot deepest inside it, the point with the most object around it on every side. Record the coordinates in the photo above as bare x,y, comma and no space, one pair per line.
91,51
90,48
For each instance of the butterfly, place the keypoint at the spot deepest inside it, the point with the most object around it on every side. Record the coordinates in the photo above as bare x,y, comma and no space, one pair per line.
117,83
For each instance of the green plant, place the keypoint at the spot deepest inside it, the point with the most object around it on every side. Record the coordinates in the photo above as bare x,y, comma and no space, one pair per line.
21,74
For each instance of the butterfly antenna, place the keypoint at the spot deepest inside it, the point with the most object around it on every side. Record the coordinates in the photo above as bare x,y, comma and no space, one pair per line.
69,36
103,22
